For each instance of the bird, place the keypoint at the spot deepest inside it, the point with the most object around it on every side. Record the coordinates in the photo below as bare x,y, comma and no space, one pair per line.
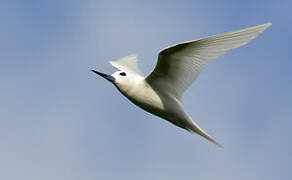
178,66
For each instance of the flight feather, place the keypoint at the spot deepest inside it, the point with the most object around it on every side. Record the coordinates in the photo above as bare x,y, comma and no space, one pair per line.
180,65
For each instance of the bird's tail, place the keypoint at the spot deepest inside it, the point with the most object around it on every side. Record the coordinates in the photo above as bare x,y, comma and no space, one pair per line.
194,128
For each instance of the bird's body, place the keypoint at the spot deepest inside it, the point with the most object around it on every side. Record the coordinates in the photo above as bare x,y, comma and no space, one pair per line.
177,68
161,103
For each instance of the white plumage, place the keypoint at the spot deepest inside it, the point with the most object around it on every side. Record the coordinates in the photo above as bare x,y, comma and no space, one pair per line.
181,64
177,68
128,64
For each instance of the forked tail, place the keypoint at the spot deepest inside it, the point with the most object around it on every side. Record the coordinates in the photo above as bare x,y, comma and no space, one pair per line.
194,128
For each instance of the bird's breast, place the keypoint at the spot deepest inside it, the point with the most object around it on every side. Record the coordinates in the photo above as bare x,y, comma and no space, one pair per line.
157,102
146,98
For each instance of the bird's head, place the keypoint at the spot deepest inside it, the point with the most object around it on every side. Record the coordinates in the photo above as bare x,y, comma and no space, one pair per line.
121,79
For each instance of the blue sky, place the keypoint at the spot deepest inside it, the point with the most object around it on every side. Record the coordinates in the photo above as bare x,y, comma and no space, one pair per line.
58,120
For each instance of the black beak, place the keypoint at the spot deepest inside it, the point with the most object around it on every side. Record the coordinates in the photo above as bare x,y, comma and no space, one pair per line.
106,76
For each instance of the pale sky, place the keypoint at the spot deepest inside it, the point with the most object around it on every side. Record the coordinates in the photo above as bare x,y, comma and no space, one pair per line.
60,121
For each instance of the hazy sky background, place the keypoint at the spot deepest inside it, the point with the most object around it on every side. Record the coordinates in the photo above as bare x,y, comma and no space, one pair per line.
60,121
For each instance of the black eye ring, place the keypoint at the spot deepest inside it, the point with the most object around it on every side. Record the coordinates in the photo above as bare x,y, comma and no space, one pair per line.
123,74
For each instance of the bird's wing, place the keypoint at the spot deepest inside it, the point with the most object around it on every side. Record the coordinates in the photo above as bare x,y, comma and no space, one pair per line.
128,63
178,66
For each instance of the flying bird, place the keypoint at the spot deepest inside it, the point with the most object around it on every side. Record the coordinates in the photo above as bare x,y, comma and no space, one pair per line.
178,66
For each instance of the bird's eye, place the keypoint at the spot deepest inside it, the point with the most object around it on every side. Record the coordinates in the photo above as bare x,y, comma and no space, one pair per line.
123,74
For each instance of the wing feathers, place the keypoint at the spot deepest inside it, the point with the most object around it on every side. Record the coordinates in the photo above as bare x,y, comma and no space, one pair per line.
128,63
179,65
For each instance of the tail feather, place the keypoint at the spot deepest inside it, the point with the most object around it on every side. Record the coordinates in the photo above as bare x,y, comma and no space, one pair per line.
194,128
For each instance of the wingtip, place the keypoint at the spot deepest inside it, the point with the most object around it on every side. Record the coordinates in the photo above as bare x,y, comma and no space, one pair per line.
268,24
265,26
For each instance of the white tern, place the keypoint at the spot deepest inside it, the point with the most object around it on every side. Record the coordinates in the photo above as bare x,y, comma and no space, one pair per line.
177,68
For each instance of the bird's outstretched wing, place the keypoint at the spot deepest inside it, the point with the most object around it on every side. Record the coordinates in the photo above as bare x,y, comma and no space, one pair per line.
178,66
128,63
